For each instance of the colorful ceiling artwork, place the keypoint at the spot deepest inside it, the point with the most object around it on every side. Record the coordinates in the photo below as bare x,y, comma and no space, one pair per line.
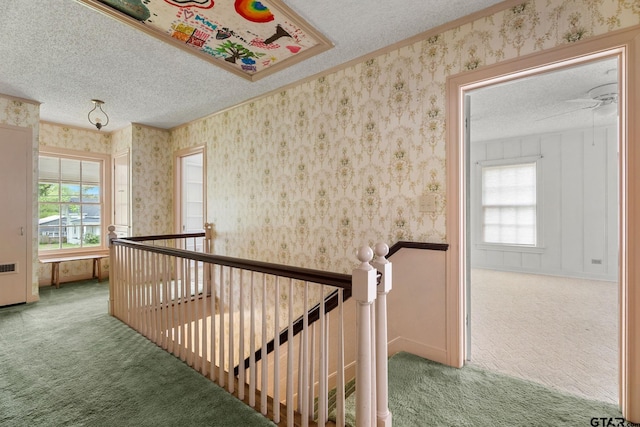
247,37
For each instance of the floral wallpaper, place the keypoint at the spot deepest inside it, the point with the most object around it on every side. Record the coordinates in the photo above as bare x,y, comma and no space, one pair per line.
72,138
20,113
305,176
152,181
121,140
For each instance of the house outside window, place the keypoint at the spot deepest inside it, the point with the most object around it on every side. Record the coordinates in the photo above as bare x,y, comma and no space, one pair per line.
509,204
71,201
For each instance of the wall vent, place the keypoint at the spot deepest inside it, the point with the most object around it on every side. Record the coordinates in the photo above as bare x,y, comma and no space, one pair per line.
8,268
596,261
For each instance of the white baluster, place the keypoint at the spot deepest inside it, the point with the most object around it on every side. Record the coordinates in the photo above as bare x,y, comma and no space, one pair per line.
323,371
196,318
312,368
212,351
340,422
222,332
364,292
231,383
263,352
252,347
304,411
290,359
241,370
382,378
166,304
206,285
276,357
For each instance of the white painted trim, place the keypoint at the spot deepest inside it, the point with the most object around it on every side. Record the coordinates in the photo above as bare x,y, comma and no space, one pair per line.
626,45
106,186
419,349
127,154
177,188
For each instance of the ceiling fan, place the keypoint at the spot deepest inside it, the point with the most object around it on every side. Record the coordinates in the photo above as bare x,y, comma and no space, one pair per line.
602,100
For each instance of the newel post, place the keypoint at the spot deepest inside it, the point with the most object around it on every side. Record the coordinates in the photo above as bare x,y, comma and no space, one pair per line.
112,266
209,236
364,293
382,376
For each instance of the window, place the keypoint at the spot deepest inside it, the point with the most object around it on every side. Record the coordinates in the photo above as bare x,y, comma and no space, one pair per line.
71,201
509,204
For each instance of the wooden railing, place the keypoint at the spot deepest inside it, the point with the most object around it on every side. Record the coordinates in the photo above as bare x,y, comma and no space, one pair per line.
218,313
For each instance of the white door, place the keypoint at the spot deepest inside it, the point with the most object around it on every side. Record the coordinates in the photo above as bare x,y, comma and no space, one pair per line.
15,146
190,177
121,205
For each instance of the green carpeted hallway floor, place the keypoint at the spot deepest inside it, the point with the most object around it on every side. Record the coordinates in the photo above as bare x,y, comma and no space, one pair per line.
426,393
65,362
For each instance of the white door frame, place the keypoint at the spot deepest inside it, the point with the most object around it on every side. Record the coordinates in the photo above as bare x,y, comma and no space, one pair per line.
625,44
177,187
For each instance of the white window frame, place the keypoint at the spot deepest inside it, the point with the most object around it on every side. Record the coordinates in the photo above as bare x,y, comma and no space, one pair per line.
538,247
105,198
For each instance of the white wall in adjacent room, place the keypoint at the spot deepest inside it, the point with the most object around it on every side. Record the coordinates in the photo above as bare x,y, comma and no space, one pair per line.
577,204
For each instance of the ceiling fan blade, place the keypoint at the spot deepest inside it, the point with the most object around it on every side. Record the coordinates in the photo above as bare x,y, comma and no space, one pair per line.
582,100
567,112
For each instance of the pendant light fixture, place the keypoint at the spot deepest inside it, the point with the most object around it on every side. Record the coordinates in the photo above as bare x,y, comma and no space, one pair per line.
97,116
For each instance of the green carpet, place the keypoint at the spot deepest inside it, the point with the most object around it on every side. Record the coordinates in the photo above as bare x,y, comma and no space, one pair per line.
425,393
65,362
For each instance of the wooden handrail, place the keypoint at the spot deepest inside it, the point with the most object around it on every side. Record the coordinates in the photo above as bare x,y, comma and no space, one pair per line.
164,237
417,245
337,280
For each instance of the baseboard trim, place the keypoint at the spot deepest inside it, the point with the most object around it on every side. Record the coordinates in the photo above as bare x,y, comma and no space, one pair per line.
432,353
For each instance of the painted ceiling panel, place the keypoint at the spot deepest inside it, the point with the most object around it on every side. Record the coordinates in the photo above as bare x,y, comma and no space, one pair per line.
247,37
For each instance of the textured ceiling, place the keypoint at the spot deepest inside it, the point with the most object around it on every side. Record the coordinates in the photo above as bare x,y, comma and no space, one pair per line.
63,54
543,103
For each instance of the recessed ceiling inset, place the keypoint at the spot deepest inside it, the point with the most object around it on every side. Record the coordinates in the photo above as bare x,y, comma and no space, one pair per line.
247,37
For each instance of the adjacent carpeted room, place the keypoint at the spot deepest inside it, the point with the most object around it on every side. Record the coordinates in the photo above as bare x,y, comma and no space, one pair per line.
65,361
557,331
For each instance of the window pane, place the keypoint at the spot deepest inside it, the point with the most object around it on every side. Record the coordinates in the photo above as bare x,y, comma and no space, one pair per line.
90,172
509,204
74,235
90,194
70,170
49,168
50,226
70,208
48,192
91,225
70,192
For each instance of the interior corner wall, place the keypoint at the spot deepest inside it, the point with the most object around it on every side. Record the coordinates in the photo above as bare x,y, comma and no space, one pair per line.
577,206
151,181
24,114
306,175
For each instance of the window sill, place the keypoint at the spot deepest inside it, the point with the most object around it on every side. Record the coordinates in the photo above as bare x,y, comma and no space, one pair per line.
57,253
510,248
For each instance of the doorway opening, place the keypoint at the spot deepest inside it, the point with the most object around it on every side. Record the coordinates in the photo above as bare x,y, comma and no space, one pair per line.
190,190
542,228
624,45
